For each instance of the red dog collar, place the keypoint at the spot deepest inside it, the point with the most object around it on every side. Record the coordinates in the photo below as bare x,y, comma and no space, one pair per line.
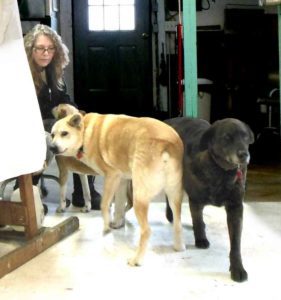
79,153
239,174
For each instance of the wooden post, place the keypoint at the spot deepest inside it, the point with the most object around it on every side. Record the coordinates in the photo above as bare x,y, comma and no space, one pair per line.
27,198
21,213
190,58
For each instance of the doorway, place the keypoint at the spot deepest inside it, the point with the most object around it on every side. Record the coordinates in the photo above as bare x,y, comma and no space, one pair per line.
112,56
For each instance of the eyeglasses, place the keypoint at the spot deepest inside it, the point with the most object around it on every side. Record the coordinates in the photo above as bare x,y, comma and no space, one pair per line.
42,50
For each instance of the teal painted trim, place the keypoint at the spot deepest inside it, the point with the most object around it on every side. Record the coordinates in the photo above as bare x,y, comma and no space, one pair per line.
279,46
190,59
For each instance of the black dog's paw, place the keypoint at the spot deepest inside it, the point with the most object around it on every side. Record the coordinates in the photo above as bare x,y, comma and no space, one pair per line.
202,244
238,274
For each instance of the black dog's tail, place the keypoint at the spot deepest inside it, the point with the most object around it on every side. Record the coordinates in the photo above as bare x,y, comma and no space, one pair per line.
169,213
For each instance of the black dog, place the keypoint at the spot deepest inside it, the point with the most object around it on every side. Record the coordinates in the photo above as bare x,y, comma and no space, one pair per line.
215,165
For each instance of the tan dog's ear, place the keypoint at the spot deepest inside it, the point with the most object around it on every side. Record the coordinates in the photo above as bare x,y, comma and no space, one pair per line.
58,112
75,121
61,114
82,112
63,110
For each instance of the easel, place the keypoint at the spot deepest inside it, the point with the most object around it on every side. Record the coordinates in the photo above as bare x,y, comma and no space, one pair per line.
36,241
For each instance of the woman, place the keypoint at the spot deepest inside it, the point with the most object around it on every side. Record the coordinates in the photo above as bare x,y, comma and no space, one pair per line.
48,56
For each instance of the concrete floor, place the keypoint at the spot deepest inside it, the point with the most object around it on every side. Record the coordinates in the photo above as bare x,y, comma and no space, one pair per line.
90,265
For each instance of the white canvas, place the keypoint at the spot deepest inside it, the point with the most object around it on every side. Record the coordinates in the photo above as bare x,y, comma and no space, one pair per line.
23,145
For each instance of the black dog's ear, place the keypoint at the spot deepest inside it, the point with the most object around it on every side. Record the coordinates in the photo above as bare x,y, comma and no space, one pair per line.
251,134
75,121
206,138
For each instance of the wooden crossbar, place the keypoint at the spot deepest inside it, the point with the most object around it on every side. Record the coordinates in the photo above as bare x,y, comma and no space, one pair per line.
24,214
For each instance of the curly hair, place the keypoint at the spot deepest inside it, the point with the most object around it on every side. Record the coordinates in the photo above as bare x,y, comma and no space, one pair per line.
59,61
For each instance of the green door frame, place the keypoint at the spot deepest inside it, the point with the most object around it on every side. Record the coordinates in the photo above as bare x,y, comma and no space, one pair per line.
190,58
190,107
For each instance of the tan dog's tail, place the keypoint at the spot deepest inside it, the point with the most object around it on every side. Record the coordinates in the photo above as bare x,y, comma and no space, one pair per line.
165,156
171,150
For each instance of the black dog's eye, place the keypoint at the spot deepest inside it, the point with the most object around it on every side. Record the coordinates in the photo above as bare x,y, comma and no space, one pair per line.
227,138
64,133
245,136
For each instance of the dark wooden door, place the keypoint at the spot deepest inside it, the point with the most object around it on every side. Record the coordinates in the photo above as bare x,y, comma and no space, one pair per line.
112,67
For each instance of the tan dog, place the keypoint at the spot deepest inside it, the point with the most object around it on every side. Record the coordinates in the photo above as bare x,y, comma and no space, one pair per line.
117,146
68,164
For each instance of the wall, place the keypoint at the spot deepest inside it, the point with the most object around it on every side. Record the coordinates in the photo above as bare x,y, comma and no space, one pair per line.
65,25
215,15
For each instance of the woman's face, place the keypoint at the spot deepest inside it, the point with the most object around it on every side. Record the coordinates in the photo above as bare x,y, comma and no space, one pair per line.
43,51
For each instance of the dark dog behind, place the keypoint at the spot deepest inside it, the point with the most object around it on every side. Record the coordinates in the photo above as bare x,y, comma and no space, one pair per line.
215,166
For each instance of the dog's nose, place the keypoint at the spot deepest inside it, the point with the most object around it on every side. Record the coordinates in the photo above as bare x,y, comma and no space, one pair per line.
243,155
54,149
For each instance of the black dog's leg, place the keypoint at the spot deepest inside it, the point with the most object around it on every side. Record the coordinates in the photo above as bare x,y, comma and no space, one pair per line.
201,240
169,213
235,223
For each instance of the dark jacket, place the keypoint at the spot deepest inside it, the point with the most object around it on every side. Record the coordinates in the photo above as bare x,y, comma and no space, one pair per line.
49,97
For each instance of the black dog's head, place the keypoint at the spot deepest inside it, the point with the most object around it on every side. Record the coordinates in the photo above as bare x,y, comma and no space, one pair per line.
228,142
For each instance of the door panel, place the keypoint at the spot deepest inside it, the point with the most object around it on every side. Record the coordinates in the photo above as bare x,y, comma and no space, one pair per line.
112,69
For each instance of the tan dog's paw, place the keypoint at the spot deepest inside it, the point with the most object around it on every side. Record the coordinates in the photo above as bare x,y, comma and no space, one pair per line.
60,210
85,209
116,224
106,230
179,247
134,262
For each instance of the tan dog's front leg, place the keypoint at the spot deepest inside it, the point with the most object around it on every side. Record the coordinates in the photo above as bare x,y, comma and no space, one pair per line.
111,185
120,201
86,193
63,175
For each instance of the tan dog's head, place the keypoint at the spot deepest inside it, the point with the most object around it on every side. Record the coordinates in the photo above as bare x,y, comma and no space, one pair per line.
67,135
63,110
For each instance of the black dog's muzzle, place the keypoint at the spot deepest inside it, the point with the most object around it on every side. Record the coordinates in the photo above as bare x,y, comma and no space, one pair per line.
243,156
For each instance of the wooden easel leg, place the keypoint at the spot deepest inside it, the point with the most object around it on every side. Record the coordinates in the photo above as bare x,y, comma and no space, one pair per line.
27,198
24,214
